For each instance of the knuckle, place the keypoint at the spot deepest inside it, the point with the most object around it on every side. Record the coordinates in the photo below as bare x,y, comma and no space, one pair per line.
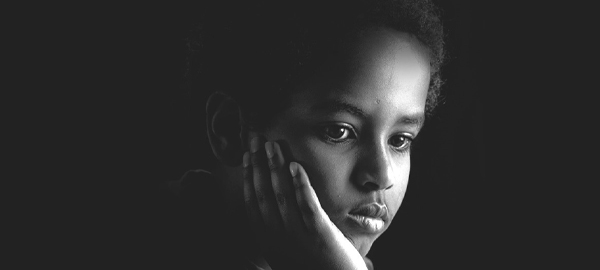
281,200
255,160
260,197
297,185
249,207
308,210
246,173
273,165
301,186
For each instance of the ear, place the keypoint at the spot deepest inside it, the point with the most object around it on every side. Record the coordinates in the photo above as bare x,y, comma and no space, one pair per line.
224,128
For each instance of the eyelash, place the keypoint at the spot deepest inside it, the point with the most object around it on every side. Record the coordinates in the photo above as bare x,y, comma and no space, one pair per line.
406,146
348,128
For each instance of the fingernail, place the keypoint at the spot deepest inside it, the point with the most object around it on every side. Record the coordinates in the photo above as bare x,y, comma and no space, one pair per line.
254,145
269,149
246,160
293,168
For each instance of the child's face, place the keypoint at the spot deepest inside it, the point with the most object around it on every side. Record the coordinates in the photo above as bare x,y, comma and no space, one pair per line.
351,127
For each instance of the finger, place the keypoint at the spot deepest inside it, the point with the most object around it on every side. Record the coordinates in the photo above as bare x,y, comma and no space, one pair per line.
252,209
262,185
310,208
283,188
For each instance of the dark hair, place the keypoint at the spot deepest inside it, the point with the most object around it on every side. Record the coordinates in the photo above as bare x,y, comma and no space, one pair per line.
260,50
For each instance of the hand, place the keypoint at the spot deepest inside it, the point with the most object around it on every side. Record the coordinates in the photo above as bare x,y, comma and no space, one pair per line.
285,213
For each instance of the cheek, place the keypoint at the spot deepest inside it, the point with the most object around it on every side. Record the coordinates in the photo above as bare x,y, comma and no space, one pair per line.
328,171
395,195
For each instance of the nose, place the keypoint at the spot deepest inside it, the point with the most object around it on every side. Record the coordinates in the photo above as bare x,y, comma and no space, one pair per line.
374,169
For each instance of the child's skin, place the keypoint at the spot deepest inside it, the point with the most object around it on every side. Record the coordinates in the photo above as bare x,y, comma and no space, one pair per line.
346,138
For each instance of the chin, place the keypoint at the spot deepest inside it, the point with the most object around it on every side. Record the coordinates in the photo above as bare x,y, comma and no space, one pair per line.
361,238
362,243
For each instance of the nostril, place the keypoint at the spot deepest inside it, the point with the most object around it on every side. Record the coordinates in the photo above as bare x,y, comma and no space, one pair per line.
374,186
371,186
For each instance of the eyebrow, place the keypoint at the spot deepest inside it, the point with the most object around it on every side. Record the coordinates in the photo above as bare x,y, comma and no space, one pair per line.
339,106
330,106
417,120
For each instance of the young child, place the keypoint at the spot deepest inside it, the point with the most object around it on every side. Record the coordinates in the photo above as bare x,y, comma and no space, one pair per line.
311,116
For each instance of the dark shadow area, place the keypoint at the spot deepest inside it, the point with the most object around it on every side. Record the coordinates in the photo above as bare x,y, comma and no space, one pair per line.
470,203
154,133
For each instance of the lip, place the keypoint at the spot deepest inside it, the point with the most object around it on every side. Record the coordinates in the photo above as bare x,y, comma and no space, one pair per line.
370,217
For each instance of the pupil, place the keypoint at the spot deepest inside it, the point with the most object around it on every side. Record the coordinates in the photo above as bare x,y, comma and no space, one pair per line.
336,132
397,141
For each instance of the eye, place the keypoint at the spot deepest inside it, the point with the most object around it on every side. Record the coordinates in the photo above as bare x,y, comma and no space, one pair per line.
400,142
338,133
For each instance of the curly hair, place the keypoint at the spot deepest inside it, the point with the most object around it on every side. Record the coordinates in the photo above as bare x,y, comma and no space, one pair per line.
260,50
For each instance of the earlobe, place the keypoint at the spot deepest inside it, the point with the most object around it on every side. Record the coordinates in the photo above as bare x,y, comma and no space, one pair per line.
224,129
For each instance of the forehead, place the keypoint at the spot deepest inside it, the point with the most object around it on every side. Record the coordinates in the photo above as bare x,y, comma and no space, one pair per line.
379,66
382,54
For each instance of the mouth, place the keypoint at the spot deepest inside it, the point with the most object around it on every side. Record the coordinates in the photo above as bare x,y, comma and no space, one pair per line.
370,218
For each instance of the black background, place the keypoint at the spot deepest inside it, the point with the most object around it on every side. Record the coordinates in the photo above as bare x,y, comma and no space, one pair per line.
485,191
